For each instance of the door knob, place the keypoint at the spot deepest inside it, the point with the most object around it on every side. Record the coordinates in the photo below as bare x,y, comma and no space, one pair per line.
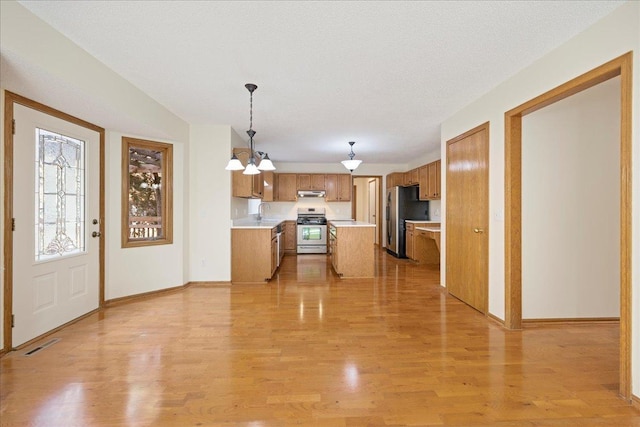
96,234
478,230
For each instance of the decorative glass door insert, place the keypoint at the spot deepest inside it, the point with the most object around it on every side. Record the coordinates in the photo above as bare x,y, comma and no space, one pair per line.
60,196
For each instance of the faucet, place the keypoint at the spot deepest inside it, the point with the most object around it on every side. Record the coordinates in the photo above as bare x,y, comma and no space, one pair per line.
260,210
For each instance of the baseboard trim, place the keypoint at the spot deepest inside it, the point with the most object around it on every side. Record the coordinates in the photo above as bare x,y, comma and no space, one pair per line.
635,401
586,320
206,284
496,319
51,332
144,295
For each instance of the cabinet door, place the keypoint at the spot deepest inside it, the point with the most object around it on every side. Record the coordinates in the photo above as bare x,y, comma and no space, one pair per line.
304,182
242,185
290,238
434,180
423,190
269,184
274,255
344,187
287,183
415,176
409,245
317,182
331,187
257,185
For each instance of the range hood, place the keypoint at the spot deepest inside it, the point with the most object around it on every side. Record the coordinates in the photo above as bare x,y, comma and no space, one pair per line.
311,193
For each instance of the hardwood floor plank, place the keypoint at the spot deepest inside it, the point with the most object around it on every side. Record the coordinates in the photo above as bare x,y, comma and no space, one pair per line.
309,349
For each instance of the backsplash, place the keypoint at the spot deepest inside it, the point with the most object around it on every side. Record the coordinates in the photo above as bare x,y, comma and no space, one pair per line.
289,210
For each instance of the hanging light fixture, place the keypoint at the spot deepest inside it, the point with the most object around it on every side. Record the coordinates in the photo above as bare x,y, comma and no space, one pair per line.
265,163
351,164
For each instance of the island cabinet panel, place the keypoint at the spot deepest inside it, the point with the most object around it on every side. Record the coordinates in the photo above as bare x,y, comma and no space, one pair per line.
290,238
352,252
252,254
286,188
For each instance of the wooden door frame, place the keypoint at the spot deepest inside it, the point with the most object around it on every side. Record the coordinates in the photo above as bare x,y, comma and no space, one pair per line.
10,99
620,66
483,127
379,210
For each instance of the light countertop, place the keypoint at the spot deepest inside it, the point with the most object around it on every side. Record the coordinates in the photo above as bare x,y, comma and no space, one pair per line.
350,223
254,223
434,229
421,221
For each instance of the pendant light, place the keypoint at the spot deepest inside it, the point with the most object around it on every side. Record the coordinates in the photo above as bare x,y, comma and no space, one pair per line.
265,163
351,164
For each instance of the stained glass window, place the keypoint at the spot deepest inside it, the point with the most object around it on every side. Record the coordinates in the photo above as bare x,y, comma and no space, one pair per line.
60,195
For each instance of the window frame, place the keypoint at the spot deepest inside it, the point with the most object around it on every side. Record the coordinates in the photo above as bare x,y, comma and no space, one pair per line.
166,188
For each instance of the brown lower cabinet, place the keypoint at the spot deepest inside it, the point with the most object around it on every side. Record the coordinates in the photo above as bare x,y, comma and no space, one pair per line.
290,237
254,254
352,251
412,249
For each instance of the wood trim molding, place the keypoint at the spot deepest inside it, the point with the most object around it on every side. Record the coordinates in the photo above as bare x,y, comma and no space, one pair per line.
561,321
479,128
144,295
635,401
495,318
10,99
620,66
166,190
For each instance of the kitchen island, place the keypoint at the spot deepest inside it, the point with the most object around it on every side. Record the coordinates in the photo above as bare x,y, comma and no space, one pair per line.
351,247
256,249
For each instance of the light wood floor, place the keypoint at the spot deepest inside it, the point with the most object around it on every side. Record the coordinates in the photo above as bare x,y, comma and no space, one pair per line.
309,349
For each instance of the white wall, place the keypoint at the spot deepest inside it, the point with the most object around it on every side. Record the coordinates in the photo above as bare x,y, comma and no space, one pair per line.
571,207
82,86
210,198
609,38
131,271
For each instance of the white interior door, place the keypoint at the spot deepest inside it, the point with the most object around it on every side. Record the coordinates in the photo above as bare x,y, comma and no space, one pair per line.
55,202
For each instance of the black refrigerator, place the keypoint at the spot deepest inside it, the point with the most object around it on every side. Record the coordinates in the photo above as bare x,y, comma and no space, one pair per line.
402,204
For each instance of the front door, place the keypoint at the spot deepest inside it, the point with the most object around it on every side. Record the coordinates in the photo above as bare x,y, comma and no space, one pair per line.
56,190
467,217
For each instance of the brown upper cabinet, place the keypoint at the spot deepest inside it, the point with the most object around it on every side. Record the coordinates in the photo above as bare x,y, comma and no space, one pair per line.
311,181
338,187
395,179
249,186
269,184
434,180
427,177
286,188
411,178
423,192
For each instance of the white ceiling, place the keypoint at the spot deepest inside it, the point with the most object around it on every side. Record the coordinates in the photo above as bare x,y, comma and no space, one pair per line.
383,74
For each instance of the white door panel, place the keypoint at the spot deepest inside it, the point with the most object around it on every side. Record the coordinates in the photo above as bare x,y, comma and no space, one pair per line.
55,258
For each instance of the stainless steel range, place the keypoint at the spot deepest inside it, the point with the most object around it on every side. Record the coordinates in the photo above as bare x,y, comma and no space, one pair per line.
312,231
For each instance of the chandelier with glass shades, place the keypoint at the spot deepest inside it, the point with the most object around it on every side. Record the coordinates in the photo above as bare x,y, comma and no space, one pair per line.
351,164
263,163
